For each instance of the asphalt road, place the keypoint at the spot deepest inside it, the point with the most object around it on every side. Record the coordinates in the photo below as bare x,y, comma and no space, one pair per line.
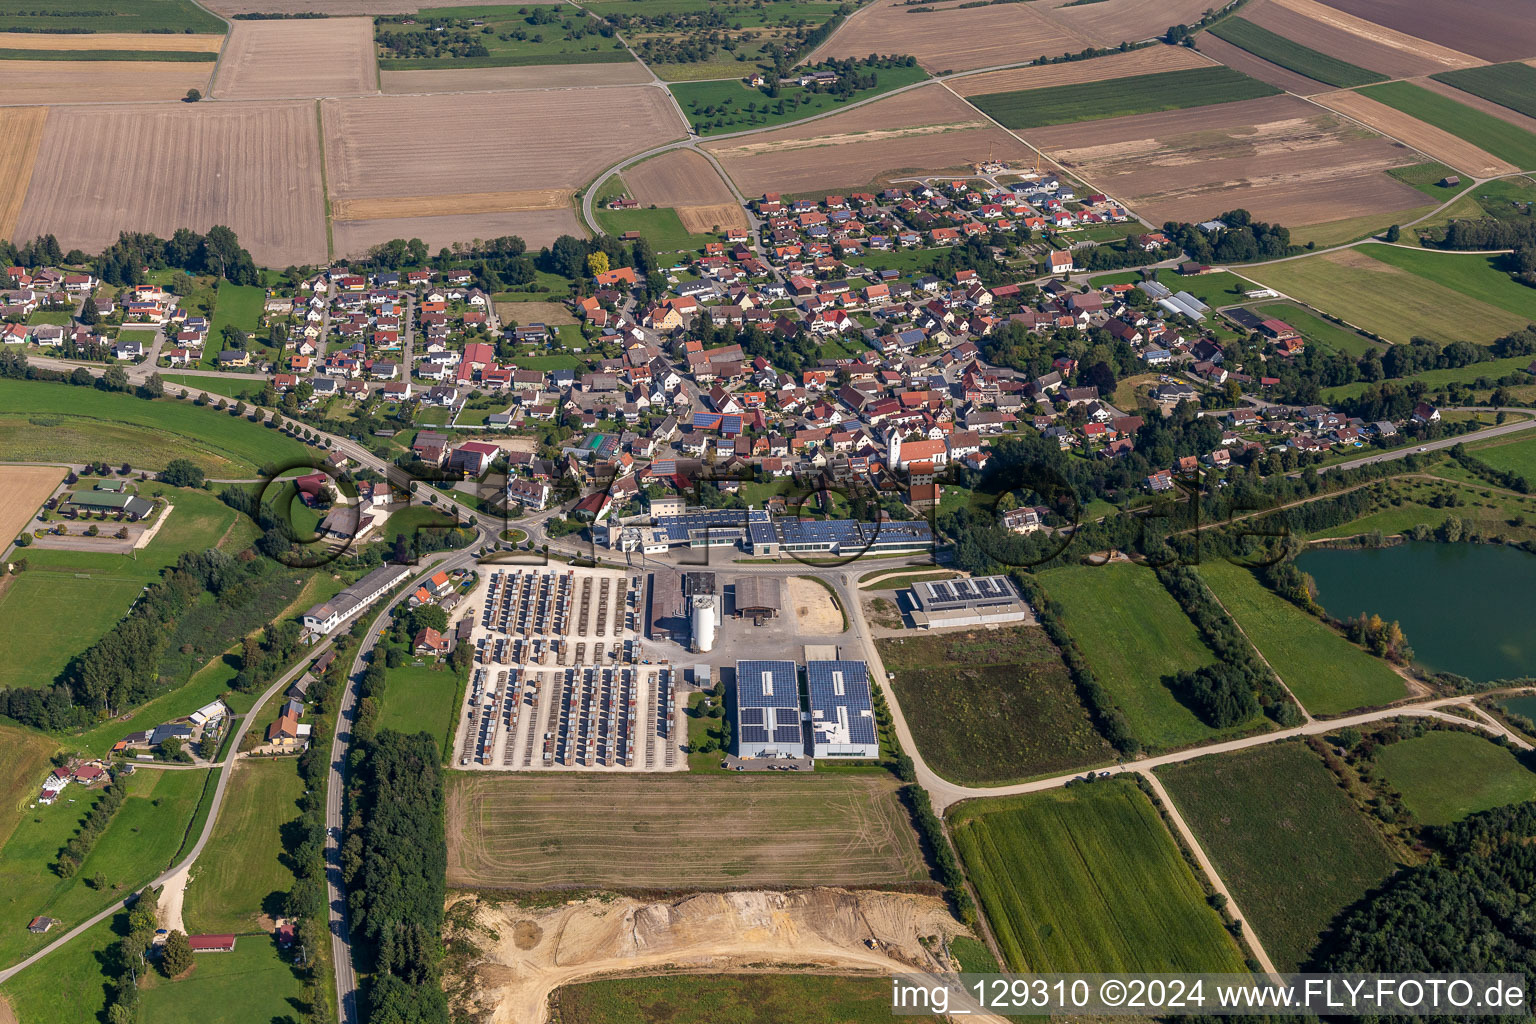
1511,427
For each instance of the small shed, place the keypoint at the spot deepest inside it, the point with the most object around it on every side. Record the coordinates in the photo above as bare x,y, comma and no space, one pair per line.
40,925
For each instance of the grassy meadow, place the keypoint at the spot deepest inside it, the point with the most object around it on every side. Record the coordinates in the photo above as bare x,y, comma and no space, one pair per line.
1504,140
1118,97
423,698
1288,53
1446,775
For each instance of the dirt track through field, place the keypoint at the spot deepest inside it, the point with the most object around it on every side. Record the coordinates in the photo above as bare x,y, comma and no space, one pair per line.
99,81
547,76
949,38
1147,61
450,205
535,227
254,167
310,57
111,41
687,182
528,953
1369,30
22,130
23,489
1440,144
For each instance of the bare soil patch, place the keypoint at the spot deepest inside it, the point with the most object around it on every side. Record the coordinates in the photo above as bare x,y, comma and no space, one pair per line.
451,205
703,220
252,166
544,76
952,39
926,130
536,227
1426,138
534,313
571,830
877,933
1396,61
1279,157
1114,21
1146,61
22,128
110,41
23,489
815,611
560,138
7,1015
1375,32
99,81
315,57
687,182
1239,59
1494,30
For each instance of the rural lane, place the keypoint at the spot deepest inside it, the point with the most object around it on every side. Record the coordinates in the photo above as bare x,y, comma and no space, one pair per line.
1502,429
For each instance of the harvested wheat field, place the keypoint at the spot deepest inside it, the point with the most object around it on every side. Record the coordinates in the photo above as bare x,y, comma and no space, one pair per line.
1426,138
22,130
1110,22
1397,61
541,76
110,41
525,953
312,57
536,227
1279,157
946,38
1443,57
339,8
926,130
508,142
181,165
1239,59
23,489
451,205
1495,30
581,830
1147,61
99,81
687,182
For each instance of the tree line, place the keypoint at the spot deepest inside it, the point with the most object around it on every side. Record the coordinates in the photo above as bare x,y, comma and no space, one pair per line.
96,821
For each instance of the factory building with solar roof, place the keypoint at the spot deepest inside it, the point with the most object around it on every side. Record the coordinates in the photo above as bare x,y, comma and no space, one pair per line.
978,601
762,534
842,715
768,722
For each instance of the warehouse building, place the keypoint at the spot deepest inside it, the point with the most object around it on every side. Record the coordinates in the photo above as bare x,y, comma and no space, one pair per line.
979,601
759,533
768,722
842,712
327,615
759,597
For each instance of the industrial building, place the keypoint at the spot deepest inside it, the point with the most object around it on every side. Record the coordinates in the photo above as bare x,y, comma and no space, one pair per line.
842,712
979,601
705,609
327,615
768,722
677,602
759,533
759,597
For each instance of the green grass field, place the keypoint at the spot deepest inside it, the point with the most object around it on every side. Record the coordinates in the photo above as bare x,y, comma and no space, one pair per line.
1426,177
661,227
1316,329
731,105
108,16
1117,97
178,56
1287,53
1508,199
68,986
212,386
1327,673
113,426
1502,139
423,698
1511,85
250,984
991,706
143,839
518,37
1473,275
1088,879
1445,776
1289,844
1133,633
241,873
24,758
1397,305
1513,456
738,998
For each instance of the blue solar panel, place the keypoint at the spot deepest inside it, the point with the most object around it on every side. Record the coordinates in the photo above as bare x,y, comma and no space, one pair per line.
751,716
754,734
854,700
787,734
750,690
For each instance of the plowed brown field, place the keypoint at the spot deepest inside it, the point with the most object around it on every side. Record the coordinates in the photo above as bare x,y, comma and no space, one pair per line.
948,38
110,41
687,182
536,227
1373,32
922,131
1147,61
1279,157
252,166
450,205
23,489
507,142
339,8
1110,22
313,57
1495,30
1426,138
22,130
548,76
99,81
1396,61
1239,59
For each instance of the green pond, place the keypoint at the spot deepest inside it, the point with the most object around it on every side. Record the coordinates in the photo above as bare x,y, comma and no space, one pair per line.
1465,608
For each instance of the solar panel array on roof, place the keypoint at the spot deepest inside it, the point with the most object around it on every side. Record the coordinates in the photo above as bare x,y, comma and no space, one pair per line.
979,591
753,734
767,684
752,716
842,711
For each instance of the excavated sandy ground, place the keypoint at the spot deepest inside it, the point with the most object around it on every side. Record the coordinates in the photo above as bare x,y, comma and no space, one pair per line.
528,953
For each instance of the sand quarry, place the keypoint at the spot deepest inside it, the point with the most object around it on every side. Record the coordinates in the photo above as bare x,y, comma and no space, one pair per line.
525,954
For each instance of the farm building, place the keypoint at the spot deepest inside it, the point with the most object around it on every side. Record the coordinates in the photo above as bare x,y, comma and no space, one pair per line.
842,712
131,505
759,597
327,615
967,602
211,943
768,710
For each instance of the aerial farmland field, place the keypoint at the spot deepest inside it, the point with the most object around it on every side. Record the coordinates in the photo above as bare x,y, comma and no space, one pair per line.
1287,53
1144,61
536,227
952,38
548,76
509,36
159,17
23,489
1286,840
1088,879
270,59
688,183
1370,31
1445,776
1489,29
1377,52
1506,141
1121,97
99,81
1512,85
23,127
